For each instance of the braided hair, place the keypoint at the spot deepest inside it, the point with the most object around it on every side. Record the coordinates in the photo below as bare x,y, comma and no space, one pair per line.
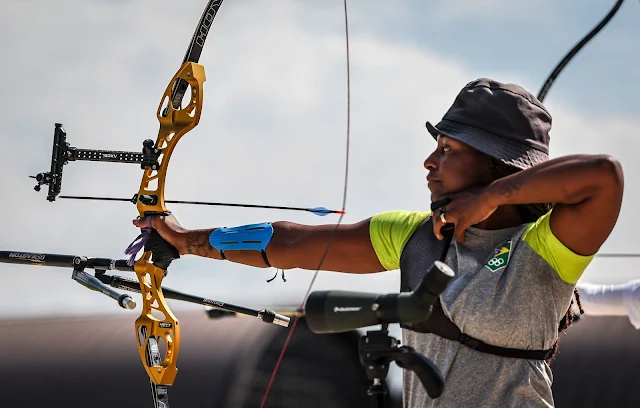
530,213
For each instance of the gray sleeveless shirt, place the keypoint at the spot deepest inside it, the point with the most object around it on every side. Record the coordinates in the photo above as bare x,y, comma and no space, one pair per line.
516,303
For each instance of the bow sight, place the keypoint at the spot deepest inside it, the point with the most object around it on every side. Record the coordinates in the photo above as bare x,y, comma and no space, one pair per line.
148,158
62,153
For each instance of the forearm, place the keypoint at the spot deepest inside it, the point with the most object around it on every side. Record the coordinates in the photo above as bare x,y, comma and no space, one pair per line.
602,300
292,245
566,180
612,300
197,242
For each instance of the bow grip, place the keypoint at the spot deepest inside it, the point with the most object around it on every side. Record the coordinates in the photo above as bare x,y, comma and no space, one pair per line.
162,252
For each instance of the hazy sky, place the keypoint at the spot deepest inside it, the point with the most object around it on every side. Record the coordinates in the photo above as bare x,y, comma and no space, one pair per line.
274,119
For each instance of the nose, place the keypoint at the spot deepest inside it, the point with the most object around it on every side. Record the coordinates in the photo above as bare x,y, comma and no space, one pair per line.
431,163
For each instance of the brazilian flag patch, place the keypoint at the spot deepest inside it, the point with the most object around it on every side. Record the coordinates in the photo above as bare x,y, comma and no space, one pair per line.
501,258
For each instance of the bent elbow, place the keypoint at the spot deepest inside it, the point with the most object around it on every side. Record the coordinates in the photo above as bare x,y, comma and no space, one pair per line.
611,169
608,178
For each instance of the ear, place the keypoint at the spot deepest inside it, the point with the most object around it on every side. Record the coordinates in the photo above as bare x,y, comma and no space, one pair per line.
488,169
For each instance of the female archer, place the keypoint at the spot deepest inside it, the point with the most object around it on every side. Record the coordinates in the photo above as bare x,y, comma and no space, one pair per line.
525,229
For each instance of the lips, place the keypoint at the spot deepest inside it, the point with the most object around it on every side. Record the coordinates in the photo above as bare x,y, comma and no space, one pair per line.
432,178
432,181
434,184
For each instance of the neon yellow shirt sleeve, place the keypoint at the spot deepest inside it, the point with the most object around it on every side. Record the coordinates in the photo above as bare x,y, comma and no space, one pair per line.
389,232
567,264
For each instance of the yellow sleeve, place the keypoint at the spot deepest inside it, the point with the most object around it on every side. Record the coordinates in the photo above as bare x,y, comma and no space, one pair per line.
389,232
567,264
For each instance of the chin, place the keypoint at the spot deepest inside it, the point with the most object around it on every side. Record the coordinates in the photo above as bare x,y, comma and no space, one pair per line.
438,196
437,193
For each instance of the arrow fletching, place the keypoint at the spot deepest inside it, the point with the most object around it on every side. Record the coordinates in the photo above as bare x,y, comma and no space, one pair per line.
321,211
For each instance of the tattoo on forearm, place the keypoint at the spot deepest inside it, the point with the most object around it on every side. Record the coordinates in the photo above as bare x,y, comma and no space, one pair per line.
198,243
509,188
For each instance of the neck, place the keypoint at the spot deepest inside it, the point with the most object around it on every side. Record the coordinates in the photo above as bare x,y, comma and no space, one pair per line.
505,216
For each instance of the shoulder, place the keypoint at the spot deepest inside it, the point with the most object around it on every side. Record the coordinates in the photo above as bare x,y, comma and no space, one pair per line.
566,263
400,218
389,232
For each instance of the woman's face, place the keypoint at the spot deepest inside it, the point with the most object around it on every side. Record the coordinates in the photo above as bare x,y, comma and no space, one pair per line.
454,167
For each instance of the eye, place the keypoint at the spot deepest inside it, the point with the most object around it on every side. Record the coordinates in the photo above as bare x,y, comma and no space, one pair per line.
445,147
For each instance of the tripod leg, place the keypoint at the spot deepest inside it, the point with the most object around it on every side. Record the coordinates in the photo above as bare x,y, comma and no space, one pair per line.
378,393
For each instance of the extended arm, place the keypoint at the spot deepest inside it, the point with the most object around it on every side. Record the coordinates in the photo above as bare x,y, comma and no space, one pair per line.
612,300
292,246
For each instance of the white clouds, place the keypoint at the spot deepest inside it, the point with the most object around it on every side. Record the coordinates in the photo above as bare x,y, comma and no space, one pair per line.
492,9
272,132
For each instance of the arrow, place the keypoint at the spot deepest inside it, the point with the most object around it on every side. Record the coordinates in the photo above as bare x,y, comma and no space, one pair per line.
319,211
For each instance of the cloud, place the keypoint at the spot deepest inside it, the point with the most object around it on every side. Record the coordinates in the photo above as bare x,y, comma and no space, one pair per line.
272,132
486,9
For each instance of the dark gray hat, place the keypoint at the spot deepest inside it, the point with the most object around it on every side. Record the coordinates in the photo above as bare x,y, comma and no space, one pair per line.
503,121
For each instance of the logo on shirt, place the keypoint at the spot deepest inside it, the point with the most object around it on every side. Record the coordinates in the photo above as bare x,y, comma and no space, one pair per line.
500,258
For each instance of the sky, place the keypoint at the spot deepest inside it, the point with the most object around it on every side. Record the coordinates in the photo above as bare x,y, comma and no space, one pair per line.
273,128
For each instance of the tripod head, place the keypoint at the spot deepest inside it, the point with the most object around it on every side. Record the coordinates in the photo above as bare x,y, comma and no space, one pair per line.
377,349
339,311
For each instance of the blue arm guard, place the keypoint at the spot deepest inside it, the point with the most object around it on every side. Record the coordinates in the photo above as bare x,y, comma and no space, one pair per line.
247,237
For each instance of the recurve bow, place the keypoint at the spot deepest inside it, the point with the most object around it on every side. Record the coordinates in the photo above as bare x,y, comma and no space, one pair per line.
157,323
157,329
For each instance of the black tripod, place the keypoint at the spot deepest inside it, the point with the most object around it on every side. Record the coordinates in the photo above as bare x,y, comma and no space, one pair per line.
338,311
377,349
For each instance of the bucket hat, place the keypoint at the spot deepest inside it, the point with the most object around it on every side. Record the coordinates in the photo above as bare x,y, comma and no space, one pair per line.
501,120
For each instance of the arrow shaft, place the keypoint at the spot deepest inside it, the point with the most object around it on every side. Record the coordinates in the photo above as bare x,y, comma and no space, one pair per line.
273,207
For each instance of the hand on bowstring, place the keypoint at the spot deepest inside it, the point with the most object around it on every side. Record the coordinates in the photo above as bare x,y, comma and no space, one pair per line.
463,210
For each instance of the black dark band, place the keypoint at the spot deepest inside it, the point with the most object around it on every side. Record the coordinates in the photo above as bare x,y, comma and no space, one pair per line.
266,260
264,257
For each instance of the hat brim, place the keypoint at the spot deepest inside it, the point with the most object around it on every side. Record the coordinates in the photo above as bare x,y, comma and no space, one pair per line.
507,151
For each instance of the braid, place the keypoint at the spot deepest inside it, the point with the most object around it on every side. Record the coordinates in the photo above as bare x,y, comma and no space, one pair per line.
565,322
530,213
577,293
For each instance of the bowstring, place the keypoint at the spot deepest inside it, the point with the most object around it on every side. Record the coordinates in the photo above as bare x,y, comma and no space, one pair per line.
337,226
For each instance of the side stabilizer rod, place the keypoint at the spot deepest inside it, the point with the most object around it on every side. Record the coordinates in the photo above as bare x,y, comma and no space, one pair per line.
104,283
